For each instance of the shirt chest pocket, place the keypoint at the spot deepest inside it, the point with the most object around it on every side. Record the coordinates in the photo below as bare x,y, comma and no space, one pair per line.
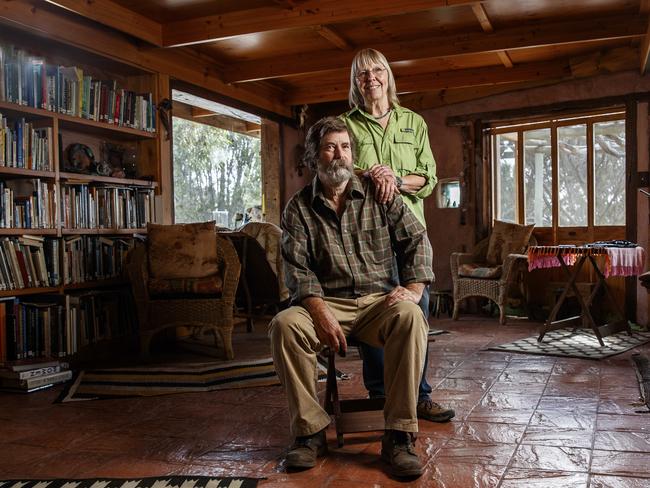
403,149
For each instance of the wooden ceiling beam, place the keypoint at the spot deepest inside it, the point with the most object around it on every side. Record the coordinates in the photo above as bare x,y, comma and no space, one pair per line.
287,16
444,80
184,64
334,37
520,37
115,16
486,25
644,52
220,121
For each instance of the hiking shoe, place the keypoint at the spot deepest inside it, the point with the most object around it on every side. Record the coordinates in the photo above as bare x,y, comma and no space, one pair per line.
304,451
434,412
398,451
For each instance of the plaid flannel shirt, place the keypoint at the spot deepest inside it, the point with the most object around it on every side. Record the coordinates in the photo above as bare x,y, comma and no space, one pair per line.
357,254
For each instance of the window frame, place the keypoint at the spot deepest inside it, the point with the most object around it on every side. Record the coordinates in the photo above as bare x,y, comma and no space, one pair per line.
555,233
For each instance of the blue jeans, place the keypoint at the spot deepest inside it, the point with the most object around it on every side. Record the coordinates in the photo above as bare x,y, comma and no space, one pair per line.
373,362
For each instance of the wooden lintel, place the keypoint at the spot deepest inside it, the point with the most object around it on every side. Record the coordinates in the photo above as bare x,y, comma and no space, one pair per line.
304,14
115,16
553,70
644,7
184,64
220,121
334,37
519,37
198,112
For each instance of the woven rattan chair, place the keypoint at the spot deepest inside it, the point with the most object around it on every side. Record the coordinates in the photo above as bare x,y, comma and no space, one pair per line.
198,311
495,289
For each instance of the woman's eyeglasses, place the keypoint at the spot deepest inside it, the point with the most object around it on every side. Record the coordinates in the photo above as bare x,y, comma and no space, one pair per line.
365,74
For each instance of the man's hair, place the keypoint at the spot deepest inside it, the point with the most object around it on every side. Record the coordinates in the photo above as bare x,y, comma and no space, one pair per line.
315,135
364,59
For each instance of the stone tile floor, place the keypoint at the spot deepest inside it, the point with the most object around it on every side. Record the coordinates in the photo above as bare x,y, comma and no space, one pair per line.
521,421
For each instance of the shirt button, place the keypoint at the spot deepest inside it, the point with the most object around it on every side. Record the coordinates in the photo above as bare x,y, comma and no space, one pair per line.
349,252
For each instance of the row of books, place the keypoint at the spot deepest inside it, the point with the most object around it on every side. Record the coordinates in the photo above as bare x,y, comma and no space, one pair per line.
28,204
29,80
24,146
86,206
29,262
60,325
31,376
88,258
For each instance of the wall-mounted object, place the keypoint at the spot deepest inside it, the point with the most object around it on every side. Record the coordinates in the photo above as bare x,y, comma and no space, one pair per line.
448,193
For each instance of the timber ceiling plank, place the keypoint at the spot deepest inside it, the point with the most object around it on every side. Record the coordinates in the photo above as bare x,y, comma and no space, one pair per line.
644,53
519,37
295,14
442,80
114,15
182,64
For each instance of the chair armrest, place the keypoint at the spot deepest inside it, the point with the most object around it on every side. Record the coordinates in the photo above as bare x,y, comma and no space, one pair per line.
458,258
510,263
136,268
227,255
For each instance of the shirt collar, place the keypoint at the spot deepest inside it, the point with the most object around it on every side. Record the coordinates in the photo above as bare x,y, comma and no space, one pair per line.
398,109
355,188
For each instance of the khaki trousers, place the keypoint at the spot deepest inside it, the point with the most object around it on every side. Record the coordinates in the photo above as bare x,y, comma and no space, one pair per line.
401,330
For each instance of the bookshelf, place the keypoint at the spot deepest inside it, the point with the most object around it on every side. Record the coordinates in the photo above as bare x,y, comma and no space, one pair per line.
68,218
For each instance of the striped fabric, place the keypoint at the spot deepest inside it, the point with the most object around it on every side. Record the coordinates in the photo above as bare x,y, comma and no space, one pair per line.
158,482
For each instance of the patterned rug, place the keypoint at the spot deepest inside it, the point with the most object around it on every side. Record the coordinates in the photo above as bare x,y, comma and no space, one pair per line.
172,378
159,482
582,344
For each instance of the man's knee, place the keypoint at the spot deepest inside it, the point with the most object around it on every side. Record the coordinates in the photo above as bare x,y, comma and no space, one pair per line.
410,316
287,323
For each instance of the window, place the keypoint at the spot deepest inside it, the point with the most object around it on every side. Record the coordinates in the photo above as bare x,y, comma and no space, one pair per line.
217,164
566,172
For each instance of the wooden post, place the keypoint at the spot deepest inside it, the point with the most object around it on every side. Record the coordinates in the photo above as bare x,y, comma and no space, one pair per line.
270,146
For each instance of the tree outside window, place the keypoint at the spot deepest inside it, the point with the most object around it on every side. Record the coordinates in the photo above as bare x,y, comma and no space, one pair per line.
217,174
525,164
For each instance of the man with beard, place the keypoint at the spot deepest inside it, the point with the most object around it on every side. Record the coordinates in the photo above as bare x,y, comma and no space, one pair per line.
339,248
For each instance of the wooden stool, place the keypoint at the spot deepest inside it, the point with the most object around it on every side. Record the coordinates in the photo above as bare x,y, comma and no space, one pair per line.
358,415
441,301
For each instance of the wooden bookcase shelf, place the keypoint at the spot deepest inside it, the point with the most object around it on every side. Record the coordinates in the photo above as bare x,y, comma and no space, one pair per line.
93,218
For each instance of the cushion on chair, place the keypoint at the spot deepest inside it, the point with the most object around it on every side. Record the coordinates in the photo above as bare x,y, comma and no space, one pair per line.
476,270
182,251
507,238
181,287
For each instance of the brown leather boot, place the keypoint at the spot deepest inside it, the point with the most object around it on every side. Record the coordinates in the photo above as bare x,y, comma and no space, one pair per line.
304,451
398,451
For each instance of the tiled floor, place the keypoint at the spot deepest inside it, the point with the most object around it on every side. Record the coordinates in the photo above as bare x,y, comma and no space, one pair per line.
522,421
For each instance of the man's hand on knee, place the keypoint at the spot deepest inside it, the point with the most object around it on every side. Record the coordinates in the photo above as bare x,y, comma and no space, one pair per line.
328,329
409,293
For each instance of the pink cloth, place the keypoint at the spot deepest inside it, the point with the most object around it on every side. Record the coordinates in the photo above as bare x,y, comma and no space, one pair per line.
540,262
625,261
619,261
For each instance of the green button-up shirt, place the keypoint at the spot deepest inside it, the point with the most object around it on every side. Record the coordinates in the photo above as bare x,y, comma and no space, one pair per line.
353,255
403,146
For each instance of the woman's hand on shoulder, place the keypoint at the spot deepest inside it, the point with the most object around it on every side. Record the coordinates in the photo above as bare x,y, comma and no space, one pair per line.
384,180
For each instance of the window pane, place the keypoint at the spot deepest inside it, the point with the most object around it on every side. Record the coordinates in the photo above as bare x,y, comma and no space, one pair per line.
609,173
504,177
217,175
572,175
538,177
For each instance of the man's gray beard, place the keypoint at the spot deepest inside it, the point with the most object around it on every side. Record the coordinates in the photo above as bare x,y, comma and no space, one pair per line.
335,174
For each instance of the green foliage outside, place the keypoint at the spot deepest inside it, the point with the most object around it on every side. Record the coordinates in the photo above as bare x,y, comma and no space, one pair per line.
217,173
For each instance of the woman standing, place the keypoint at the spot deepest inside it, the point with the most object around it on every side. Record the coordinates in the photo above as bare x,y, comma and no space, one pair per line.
393,150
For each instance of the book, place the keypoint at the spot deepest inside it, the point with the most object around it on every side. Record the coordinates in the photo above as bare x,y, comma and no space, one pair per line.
29,383
27,365
31,373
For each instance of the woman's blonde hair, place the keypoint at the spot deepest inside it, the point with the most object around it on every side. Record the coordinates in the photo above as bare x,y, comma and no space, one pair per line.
364,59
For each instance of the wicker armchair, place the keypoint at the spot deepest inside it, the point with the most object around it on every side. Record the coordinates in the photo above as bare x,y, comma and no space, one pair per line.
495,289
199,311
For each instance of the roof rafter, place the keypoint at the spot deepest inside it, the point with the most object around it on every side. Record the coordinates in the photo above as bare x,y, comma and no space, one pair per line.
440,80
305,14
520,37
486,25
113,15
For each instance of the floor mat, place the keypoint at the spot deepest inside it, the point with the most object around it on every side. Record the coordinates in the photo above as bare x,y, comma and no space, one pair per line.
582,344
